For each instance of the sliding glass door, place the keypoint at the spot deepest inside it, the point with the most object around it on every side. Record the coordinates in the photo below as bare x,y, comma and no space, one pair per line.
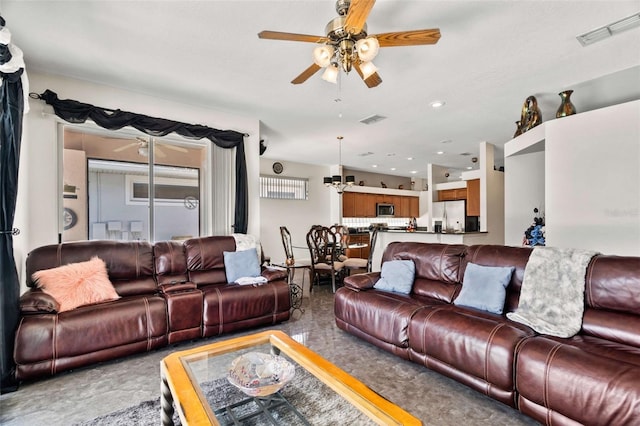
119,186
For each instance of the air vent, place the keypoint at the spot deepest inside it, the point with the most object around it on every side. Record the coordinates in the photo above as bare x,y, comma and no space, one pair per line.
612,29
365,154
465,154
372,119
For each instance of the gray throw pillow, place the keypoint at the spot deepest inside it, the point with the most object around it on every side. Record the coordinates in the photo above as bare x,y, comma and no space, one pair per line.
396,276
238,264
484,287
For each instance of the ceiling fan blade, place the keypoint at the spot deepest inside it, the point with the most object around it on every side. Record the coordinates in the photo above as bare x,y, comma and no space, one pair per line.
158,153
357,15
277,35
408,38
127,146
173,147
372,81
304,76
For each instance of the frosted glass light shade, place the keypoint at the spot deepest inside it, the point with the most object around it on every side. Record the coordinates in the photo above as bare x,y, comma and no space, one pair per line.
367,69
367,48
331,74
322,55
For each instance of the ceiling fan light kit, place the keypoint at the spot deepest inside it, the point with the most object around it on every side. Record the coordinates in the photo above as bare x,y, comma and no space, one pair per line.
347,45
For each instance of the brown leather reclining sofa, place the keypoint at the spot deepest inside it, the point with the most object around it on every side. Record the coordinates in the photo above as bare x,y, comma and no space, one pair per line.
170,292
590,378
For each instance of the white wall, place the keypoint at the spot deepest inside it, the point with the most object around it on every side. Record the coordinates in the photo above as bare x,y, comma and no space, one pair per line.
524,191
38,204
296,215
593,180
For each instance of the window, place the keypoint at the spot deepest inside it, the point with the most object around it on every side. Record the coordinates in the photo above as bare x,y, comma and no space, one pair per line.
284,188
112,189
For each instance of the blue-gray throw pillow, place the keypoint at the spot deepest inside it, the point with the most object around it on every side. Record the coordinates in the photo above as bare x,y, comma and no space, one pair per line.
396,276
238,264
484,287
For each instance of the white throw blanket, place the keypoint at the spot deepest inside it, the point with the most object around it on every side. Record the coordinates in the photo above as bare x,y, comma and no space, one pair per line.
251,280
246,242
552,293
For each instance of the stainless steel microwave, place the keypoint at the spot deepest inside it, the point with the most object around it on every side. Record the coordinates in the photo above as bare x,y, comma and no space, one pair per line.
385,210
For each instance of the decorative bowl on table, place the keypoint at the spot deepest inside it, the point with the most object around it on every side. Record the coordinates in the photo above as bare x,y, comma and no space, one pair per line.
260,374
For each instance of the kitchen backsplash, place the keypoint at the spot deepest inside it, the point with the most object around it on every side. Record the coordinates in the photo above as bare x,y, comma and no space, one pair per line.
363,222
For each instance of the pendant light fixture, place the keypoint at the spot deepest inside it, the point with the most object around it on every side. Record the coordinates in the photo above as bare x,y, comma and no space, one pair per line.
335,181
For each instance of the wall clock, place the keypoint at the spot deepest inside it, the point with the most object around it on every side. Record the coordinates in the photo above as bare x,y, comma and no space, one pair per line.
70,218
277,167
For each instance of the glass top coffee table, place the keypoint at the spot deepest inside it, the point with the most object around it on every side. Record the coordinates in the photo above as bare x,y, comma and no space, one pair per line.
194,381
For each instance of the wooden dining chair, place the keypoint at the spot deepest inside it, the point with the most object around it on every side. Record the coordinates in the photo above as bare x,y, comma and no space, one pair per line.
351,264
324,255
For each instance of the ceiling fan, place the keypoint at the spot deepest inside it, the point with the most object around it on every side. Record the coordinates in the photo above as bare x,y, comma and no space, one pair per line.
347,45
143,147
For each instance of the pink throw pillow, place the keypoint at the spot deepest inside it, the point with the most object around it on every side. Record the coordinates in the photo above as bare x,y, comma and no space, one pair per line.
77,284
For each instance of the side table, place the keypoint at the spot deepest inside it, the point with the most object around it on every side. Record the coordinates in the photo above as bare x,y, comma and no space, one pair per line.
297,291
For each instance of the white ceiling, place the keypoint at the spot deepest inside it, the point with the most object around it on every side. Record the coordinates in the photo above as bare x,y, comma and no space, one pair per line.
491,57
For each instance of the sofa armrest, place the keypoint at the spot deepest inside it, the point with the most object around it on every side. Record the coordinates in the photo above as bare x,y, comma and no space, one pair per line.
38,302
362,281
274,274
177,287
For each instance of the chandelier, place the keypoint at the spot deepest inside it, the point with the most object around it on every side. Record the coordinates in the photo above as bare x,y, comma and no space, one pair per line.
335,181
345,50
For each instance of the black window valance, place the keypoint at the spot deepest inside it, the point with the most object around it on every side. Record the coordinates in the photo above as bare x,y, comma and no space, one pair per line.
78,112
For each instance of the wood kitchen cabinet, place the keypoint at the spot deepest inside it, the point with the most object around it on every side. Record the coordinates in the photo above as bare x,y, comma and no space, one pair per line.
362,253
452,194
414,206
473,197
359,204
349,204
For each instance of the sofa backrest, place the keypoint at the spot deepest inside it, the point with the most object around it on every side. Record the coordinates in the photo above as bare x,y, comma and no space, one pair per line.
170,262
437,267
496,255
612,298
205,259
129,264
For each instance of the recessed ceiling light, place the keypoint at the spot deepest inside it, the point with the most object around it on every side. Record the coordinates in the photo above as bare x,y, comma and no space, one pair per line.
414,172
374,165
393,168
409,158
440,152
469,168
437,104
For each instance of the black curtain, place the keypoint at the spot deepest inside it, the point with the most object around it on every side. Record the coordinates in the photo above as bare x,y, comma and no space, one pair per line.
12,104
78,112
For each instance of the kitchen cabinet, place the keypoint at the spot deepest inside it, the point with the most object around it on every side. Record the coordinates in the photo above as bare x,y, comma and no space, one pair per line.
414,206
349,204
359,204
362,253
402,208
452,194
473,197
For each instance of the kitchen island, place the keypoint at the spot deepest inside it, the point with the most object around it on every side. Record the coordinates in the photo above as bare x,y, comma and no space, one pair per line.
386,236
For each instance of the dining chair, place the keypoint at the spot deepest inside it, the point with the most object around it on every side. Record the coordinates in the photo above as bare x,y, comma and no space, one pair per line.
350,263
324,255
372,246
285,235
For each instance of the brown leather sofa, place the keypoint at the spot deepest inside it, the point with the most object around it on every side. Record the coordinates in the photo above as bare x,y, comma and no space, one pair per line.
170,292
590,378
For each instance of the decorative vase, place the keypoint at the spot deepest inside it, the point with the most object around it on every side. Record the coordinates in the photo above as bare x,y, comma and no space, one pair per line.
566,107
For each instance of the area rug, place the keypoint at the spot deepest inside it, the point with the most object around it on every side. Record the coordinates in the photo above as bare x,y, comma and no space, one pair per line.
319,404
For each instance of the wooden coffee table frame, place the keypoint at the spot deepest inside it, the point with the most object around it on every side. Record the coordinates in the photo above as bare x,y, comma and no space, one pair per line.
180,387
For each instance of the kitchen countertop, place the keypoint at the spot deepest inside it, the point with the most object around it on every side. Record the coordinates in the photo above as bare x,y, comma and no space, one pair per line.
404,231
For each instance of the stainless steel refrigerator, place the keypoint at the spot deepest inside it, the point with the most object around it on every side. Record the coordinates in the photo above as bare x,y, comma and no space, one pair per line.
451,215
